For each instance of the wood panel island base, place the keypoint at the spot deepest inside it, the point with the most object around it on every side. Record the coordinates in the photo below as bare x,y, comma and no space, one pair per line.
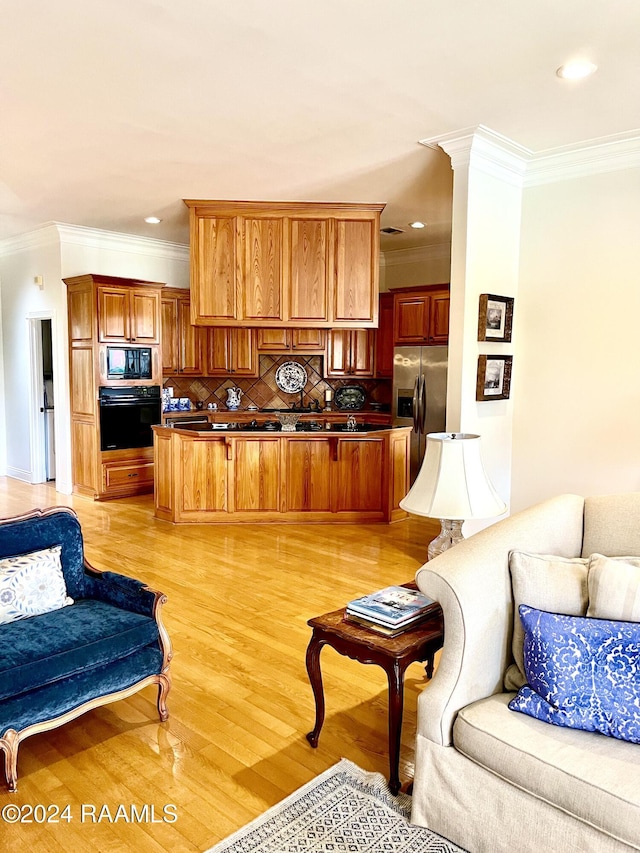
204,476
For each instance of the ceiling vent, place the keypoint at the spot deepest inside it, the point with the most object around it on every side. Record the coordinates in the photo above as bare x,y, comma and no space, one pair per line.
390,230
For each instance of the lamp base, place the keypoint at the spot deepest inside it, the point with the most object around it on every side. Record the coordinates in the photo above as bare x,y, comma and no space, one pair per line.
450,534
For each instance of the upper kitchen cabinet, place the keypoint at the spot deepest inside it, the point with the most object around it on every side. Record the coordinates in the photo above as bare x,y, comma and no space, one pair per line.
300,341
183,345
349,353
293,264
421,316
232,352
129,314
384,336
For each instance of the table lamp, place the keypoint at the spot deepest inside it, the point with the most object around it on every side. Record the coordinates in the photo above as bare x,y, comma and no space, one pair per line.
452,485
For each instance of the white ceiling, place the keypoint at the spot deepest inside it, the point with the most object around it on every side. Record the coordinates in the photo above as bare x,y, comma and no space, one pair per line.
113,110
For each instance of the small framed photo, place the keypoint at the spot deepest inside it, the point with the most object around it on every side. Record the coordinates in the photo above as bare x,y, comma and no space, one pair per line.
494,377
495,318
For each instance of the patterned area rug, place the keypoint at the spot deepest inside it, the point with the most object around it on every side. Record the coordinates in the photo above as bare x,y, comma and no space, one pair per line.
344,810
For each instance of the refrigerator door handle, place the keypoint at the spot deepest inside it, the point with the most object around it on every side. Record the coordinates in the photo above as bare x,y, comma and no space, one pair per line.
415,404
423,404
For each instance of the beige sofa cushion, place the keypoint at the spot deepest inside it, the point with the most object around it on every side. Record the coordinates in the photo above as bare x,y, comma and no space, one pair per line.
595,779
546,582
611,525
614,588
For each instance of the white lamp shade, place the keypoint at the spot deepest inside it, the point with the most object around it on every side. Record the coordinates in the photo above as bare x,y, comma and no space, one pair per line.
452,482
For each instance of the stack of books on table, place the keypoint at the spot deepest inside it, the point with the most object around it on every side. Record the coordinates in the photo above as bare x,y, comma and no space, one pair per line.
391,610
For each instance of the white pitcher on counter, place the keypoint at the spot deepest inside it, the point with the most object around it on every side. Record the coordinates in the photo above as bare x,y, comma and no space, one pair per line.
233,398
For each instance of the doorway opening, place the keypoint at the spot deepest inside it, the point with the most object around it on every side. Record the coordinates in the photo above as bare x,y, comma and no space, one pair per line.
43,444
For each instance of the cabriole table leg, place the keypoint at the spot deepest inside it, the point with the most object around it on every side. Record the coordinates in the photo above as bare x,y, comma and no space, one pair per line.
315,677
395,674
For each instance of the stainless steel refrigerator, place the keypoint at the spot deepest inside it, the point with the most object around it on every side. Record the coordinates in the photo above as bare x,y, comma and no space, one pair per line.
419,395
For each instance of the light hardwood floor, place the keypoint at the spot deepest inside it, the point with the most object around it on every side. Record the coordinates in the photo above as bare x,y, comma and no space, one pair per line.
240,705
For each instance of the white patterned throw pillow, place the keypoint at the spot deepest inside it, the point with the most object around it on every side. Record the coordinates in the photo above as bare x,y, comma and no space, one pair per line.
31,584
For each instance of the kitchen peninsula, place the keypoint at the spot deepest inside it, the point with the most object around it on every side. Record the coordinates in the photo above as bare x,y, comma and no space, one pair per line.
205,475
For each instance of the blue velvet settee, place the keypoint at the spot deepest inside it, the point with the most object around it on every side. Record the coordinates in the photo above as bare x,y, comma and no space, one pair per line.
106,642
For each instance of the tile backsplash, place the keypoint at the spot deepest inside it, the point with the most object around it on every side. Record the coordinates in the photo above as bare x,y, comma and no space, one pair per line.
263,391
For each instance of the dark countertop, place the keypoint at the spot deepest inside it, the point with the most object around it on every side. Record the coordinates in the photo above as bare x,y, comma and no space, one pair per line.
246,429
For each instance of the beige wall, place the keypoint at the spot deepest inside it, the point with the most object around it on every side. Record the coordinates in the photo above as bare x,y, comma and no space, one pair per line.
56,252
577,328
413,267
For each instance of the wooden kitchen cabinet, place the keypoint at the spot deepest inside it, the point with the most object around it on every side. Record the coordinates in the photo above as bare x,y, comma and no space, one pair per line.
349,353
384,336
127,472
357,483
257,475
215,240
284,264
300,341
308,475
232,352
128,315
183,345
439,319
105,310
309,286
261,292
203,476
421,317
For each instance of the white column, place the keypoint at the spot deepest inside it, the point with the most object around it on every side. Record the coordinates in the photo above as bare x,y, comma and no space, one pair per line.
485,247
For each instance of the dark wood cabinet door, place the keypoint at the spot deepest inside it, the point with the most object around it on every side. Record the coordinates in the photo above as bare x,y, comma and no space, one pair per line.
439,320
384,336
411,319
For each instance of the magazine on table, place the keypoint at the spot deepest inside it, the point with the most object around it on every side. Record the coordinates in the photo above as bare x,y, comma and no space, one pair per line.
385,630
392,606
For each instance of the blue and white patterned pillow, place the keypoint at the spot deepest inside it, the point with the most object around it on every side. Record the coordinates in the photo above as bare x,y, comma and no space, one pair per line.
582,673
31,584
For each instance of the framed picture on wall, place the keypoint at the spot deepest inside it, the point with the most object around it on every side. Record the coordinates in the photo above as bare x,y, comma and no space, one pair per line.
495,318
494,377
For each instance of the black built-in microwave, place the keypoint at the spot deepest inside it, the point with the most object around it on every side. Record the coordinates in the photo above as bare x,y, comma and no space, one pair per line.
129,363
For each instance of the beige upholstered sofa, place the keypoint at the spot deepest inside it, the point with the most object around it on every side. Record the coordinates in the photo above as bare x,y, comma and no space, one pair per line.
491,779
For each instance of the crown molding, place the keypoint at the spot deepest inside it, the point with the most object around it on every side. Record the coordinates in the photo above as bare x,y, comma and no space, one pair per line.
417,254
40,238
95,238
495,154
60,233
486,150
591,157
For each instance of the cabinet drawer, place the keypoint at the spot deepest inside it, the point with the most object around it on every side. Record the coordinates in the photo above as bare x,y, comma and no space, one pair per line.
131,475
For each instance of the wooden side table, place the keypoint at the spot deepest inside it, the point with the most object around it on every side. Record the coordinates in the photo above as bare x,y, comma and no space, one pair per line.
393,654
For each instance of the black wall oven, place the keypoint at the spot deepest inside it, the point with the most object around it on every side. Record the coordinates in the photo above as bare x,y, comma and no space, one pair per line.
127,415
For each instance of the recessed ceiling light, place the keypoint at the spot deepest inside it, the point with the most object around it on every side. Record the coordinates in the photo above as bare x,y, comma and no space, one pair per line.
576,69
417,224
152,220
